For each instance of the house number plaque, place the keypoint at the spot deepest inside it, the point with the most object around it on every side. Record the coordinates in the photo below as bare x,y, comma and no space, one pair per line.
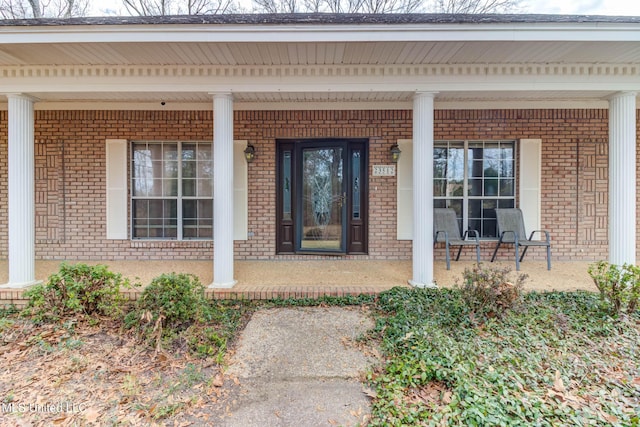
384,170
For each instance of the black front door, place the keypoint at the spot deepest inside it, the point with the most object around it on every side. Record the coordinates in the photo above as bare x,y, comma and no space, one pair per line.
321,196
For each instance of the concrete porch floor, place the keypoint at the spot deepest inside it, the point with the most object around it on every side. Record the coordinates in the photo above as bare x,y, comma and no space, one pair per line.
284,279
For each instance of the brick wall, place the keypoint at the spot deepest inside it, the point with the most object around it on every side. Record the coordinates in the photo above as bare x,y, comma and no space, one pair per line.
70,173
569,163
262,128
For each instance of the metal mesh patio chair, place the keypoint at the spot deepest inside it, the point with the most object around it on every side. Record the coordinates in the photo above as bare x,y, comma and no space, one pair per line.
511,231
446,229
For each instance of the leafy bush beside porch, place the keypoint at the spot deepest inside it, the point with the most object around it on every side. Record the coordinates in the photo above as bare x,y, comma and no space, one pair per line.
559,359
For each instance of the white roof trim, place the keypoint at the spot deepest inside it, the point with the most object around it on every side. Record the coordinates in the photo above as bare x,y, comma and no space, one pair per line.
315,106
320,33
364,78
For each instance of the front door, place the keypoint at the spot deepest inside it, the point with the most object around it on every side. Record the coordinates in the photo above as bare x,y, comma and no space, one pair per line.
321,196
323,200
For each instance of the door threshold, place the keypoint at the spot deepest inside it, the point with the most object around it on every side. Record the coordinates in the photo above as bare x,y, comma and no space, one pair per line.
329,254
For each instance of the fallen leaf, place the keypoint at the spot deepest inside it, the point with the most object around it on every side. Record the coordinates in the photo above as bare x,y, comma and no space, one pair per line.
357,413
59,420
558,385
370,392
218,381
91,415
407,336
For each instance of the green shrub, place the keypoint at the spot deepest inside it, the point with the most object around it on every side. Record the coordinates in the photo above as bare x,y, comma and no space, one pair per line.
168,306
488,292
619,286
177,298
77,289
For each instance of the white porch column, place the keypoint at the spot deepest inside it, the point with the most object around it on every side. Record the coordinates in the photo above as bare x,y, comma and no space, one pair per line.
423,190
622,178
223,191
22,271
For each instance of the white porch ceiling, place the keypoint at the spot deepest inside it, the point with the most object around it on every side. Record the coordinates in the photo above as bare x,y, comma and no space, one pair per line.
355,53
502,59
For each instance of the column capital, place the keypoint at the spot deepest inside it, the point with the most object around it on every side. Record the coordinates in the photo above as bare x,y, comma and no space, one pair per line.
421,94
21,96
218,95
627,94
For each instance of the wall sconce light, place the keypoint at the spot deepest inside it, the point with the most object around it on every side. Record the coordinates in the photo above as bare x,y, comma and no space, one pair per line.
395,153
250,153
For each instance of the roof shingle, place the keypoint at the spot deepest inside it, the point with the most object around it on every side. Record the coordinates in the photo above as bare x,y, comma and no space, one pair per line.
325,19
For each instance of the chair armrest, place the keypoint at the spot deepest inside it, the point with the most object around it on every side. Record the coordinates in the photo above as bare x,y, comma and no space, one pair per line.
476,236
545,232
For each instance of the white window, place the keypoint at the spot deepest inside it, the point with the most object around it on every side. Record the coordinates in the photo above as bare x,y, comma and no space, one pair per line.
474,178
172,190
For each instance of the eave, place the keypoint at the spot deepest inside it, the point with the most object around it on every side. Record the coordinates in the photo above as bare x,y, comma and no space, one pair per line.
355,59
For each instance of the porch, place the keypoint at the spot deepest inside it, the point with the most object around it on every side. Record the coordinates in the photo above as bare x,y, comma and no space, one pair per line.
565,92
312,279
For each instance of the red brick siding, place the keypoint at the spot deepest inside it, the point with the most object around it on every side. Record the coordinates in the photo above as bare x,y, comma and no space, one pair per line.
561,132
262,128
71,159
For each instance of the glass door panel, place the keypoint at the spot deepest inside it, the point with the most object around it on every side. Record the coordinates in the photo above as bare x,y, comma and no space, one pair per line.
323,199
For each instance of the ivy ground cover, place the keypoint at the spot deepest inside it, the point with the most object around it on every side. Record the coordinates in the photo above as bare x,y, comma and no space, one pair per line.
557,359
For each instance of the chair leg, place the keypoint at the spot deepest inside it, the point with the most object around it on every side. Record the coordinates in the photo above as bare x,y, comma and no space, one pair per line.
517,257
548,257
448,256
478,253
523,252
496,251
459,250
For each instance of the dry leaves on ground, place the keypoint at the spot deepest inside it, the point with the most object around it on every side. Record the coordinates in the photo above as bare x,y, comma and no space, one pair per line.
77,374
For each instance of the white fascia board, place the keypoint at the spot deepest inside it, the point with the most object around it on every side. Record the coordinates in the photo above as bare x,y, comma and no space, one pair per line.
320,33
467,104
469,86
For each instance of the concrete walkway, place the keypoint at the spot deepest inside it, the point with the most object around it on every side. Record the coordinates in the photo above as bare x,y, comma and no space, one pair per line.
299,367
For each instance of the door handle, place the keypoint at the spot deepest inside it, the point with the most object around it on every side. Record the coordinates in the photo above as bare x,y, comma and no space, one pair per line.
342,199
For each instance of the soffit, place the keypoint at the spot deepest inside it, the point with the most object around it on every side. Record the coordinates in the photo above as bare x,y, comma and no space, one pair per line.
321,53
460,57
